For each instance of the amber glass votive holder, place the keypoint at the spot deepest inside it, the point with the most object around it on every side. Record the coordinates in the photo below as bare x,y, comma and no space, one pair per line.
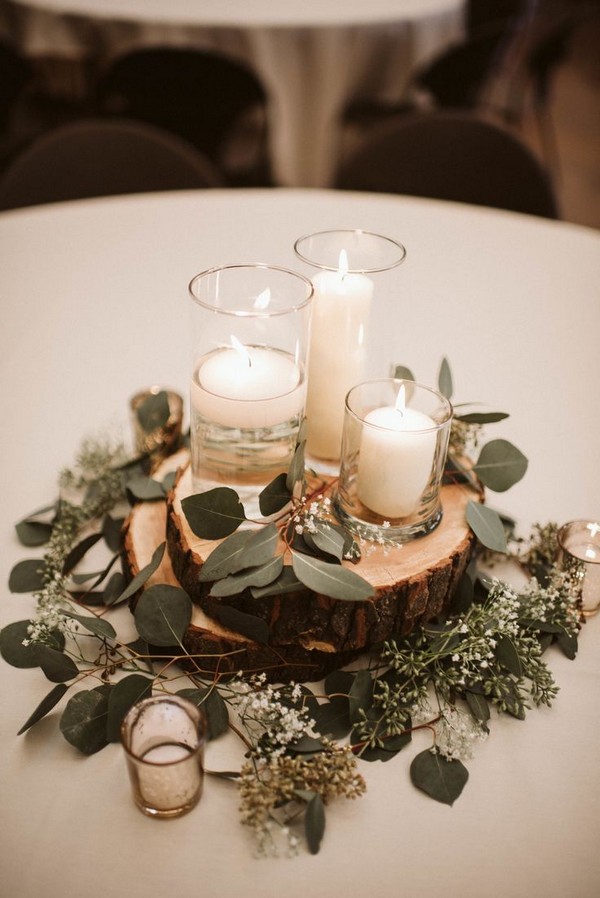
579,556
164,738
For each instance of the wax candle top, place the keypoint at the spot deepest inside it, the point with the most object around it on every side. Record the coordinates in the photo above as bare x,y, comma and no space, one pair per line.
248,372
399,417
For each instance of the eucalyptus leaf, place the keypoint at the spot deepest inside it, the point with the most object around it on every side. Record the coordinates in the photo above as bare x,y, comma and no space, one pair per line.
332,718
83,722
226,558
286,582
295,472
275,496
487,526
27,576
260,546
314,823
96,625
478,706
401,372
248,625
215,513
57,666
390,748
463,596
330,579
306,745
33,533
328,540
361,695
168,481
439,777
163,614
111,531
261,575
568,644
209,699
482,417
114,588
508,656
145,489
500,465
153,412
11,645
79,551
445,379
122,697
45,706
141,577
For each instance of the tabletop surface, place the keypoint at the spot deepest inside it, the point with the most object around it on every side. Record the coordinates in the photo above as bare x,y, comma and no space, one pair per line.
95,307
244,13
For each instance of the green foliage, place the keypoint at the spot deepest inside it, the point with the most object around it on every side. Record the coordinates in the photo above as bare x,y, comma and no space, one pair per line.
215,513
209,699
163,614
314,822
27,576
440,778
248,625
83,722
500,465
487,526
121,698
330,579
45,706
275,496
445,379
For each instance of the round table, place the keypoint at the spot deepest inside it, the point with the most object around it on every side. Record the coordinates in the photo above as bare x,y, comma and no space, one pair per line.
95,296
312,57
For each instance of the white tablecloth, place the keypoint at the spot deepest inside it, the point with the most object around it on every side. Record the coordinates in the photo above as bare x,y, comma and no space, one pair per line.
94,307
313,57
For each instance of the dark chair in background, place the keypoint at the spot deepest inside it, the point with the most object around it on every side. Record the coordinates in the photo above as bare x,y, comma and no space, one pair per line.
451,155
204,97
15,73
94,158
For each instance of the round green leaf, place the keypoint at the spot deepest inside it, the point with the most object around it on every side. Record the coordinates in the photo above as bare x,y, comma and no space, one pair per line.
226,559
11,645
96,625
163,614
27,576
57,666
217,715
401,372
33,533
215,513
500,465
439,777
122,697
83,722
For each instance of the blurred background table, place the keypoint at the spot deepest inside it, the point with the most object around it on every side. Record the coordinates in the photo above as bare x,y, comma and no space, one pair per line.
95,307
313,57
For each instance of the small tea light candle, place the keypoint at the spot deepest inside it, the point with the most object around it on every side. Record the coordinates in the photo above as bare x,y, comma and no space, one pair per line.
579,553
248,386
396,458
338,355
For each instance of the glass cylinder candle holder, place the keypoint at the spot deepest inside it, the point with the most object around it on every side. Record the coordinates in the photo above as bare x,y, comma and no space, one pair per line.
250,329
156,429
344,293
164,739
579,556
394,448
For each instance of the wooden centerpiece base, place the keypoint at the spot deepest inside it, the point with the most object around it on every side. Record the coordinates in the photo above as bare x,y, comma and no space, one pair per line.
309,634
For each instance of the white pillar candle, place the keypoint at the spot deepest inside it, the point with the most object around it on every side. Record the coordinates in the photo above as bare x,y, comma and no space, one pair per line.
396,457
248,386
338,354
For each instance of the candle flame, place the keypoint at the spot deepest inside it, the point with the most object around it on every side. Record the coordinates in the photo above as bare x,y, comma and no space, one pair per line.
263,299
343,263
401,400
239,347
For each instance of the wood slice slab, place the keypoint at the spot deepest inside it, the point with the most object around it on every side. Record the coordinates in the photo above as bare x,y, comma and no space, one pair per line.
412,582
213,648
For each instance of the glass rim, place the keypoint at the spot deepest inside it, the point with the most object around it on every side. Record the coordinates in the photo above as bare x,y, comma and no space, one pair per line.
257,313
361,270
184,705
562,533
400,380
